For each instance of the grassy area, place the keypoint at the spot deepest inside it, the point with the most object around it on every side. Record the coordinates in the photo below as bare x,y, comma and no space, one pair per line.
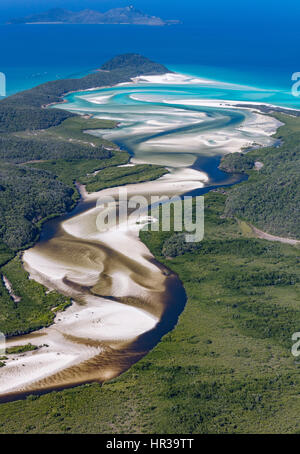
72,130
246,229
18,349
226,367
82,170
35,309
69,171
116,176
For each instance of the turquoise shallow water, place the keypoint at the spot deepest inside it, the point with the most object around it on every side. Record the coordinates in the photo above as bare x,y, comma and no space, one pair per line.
263,90
180,107
179,121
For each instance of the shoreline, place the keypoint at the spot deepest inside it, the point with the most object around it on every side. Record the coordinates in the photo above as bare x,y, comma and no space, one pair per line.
81,317
186,77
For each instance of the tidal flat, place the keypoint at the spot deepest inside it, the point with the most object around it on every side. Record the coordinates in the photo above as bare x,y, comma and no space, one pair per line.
123,301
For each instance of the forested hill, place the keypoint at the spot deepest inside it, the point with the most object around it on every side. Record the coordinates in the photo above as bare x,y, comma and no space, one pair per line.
25,110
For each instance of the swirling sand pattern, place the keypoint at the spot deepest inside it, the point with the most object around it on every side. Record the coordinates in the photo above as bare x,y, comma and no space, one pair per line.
123,300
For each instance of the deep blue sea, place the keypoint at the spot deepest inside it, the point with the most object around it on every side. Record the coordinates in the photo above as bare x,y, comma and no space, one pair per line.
264,57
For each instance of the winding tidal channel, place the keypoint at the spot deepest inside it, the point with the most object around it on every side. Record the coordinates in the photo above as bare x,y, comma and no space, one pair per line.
124,301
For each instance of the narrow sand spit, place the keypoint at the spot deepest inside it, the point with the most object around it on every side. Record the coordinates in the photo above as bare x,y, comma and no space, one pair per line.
185,79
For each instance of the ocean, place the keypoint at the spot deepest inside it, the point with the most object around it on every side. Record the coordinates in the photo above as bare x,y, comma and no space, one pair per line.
264,58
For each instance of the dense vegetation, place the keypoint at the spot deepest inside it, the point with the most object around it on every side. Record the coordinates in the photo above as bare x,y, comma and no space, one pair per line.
35,308
28,196
116,176
5,254
144,65
73,169
17,117
237,163
21,349
270,199
24,110
23,149
227,366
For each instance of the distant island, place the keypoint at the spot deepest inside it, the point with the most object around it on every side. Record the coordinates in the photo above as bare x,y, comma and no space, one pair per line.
118,16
